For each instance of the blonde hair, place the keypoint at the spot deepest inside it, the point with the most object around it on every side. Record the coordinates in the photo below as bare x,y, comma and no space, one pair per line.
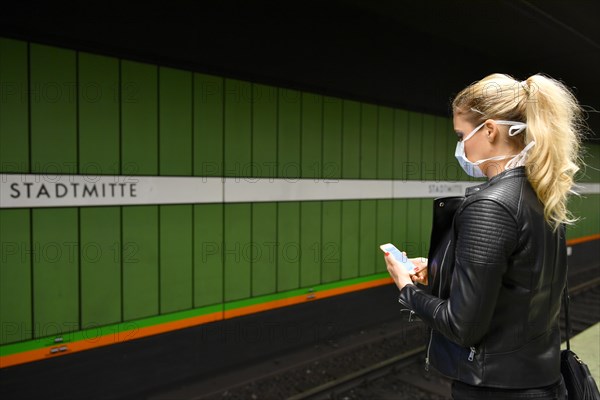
554,120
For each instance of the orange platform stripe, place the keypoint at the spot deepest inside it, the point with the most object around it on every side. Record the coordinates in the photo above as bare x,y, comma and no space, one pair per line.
583,239
106,340
255,308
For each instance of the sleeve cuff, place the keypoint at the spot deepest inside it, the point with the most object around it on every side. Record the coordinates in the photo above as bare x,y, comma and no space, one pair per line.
404,297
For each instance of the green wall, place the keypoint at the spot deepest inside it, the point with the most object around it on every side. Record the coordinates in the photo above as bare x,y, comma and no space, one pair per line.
70,112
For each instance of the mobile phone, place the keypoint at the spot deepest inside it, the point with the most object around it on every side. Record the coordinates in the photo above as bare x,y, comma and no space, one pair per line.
401,258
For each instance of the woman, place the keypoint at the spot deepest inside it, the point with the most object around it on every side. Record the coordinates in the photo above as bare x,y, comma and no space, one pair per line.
497,265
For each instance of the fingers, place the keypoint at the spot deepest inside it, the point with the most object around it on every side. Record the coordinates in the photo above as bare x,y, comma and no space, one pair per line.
387,259
421,278
420,268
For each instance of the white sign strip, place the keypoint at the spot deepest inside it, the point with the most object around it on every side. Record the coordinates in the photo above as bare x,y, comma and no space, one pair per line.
270,189
587,188
421,189
32,190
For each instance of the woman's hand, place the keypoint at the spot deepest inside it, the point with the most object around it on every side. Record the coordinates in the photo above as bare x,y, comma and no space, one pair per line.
420,275
398,273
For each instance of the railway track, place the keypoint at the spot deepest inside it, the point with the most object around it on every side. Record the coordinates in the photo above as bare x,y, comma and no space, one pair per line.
364,376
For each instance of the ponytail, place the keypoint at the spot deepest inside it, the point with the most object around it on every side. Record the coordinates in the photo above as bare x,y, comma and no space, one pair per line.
554,122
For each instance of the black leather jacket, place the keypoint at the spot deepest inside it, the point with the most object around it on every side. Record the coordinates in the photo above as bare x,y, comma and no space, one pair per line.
496,273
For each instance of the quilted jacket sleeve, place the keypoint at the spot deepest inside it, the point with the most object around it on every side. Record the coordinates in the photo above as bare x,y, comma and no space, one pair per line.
486,237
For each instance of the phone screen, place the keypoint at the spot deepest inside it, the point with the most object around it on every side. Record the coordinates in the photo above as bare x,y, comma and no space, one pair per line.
401,258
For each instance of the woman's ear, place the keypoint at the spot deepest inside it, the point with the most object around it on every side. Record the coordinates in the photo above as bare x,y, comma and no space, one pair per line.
491,130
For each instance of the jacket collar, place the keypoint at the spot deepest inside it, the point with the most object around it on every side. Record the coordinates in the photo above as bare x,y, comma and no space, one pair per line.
509,173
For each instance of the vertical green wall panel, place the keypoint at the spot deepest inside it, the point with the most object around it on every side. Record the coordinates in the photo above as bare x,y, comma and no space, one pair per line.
384,231
264,131
175,158
427,165
139,144
100,236
351,140
140,262
208,254
385,149
237,251
53,110
238,129
332,139
55,271
288,213
263,248
593,213
100,254
310,243
288,239
400,145
587,209
312,166
175,258
576,230
331,244
15,276
441,148
238,158
414,154
351,152
367,236
175,122
98,115
139,119
590,211
368,141
581,225
350,244
289,135
208,125
331,239
54,150
385,143
312,126
414,225
399,223
426,221
15,263
454,170
14,119
429,172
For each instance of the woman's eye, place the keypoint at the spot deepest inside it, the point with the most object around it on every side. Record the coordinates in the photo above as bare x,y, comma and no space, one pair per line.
459,137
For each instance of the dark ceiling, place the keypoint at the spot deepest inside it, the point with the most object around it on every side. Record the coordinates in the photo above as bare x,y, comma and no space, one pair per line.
410,54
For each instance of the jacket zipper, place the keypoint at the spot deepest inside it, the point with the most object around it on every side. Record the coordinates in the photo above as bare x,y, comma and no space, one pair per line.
428,346
435,312
472,354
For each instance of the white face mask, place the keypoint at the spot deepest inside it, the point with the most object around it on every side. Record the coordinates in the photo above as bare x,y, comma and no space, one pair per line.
472,168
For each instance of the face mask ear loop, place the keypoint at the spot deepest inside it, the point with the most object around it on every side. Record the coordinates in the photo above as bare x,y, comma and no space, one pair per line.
519,159
516,129
470,135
